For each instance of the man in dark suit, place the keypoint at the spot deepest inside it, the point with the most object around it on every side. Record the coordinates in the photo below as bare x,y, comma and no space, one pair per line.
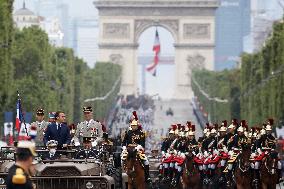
58,131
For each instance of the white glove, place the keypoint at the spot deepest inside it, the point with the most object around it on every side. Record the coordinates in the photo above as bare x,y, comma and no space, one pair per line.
123,148
163,153
259,151
216,152
182,155
225,149
139,148
206,154
167,155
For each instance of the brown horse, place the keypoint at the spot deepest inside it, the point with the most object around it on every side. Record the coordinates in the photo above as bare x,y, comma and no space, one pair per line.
243,172
190,175
134,170
268,171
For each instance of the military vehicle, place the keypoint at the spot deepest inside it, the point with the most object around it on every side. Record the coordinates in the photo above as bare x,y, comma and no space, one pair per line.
103,171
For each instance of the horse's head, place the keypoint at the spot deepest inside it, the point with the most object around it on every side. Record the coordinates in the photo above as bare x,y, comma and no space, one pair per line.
131,158
245,154
271,162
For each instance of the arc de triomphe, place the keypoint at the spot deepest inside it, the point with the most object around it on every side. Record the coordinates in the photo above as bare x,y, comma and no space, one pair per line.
191,23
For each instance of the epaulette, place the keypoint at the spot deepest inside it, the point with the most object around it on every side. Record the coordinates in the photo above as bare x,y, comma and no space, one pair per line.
19,177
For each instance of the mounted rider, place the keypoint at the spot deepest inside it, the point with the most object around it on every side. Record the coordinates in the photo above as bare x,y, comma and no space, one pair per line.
211,153
199,158
181,147
135,137
268,144
256,153
165,149
169,153
235,146
222,148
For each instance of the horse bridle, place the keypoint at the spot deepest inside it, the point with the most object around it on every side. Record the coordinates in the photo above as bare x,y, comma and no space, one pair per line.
187,171
272,168
245,169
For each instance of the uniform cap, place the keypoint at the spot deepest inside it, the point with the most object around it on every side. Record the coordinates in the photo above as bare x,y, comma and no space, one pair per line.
87,139
24,144
52,143
241,129
268,128
213,131
40,111
191,131
51,115
87,109
134,122
232,126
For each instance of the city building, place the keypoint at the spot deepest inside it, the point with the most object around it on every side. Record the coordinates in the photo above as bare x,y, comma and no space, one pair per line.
263,14
85,39
232,25
53,29
26,18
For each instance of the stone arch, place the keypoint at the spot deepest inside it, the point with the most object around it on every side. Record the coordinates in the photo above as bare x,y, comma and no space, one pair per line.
191,23
141,25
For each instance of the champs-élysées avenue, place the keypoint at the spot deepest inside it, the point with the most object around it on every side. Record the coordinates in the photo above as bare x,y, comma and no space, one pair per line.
141,94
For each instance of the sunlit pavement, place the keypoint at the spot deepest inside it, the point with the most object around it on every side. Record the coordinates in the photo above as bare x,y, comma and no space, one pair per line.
182,112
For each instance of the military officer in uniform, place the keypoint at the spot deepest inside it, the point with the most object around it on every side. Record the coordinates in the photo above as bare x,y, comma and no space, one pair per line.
268,142
41,126
89,127
52,147
136,137
19,174
87,152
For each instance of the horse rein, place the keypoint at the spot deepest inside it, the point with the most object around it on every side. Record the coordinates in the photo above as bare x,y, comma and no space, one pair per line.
245,169
272,168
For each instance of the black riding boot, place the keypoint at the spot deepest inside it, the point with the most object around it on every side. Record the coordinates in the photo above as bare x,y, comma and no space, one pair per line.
229,177
279,174
147,174
256,177
166,172
171,173
222,179
177,178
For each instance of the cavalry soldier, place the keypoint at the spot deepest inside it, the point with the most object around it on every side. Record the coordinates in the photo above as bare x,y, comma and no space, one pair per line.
19,174
181,147
257,155
135,137
169,154
40,126
89,127
268,142
163,168
235,146
213,154
191,141
222,147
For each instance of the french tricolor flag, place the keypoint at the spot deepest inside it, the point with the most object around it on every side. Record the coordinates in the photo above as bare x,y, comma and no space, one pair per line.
156,48
19,116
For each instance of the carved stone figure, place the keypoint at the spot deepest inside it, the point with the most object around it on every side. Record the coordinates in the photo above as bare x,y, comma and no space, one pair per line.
196,62
115,58
116,30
